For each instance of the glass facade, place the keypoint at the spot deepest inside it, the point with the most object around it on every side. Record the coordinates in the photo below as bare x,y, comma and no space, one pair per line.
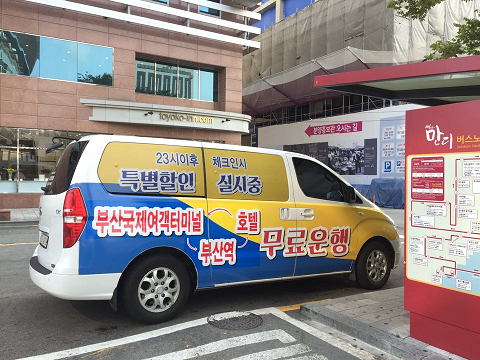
174,80
24,164
38,56
209,11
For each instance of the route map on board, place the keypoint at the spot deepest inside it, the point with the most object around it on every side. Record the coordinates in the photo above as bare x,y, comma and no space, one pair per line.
443,237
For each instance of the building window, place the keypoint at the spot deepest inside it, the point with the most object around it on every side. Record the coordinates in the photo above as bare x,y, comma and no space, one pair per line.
161,1
49,58
168,79
25,165
209,11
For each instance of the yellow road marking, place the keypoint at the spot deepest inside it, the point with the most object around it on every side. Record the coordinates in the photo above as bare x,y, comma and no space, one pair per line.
16,226
297,306
15,244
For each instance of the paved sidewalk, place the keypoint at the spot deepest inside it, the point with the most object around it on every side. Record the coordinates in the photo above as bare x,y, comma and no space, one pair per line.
23,216
377,318
20,215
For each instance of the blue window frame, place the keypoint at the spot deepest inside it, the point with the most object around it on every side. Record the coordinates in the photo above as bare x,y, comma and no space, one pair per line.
210,11
50,58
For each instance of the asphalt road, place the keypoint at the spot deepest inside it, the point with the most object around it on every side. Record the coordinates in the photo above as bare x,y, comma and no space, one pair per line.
33,322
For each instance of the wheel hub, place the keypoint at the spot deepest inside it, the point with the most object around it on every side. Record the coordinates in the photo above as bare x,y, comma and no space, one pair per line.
376,265
159,290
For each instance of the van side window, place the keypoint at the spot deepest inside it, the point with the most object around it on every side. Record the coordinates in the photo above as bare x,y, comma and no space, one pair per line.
243,175
316,181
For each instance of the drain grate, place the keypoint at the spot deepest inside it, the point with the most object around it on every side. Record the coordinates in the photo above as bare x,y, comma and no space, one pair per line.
235,320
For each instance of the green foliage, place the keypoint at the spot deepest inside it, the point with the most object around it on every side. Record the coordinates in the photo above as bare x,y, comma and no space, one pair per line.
469,36
416,9
104,79
143,90
467,41
444,50
147,90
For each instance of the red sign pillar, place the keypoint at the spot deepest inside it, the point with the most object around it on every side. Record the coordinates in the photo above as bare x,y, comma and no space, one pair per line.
442,226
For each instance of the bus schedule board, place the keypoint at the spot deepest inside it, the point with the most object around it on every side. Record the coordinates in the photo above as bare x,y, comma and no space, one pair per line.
442,226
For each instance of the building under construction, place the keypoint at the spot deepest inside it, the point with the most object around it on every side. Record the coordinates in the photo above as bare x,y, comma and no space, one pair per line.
332,36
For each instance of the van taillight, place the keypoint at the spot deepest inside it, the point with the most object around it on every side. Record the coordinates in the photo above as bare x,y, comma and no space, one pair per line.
74,217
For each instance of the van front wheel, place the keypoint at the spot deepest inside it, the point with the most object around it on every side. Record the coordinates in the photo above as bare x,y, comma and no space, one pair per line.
373,266
155,289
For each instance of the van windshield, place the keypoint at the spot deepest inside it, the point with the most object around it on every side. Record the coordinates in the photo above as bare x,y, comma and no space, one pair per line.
61,177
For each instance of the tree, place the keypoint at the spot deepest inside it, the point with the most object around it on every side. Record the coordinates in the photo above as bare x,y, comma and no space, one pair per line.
467,41
104,79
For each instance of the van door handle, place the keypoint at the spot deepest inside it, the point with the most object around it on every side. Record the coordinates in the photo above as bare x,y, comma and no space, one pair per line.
285,213
360,213
308,214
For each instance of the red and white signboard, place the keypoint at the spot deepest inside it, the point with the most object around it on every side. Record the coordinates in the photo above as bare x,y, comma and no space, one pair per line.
427,178
334,128
442,226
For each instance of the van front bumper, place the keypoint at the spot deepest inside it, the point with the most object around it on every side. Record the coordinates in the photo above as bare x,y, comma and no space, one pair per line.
398,252
73,287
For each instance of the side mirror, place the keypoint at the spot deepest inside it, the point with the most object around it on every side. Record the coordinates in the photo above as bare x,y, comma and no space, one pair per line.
349,194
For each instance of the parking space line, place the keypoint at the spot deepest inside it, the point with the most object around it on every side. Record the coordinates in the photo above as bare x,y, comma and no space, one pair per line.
227,344
279,335
280,353
330,339
118,342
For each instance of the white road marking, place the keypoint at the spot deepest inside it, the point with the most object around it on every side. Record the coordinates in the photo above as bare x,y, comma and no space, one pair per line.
118,342
226,344
228,315
332,340
401,236
218,345
274,354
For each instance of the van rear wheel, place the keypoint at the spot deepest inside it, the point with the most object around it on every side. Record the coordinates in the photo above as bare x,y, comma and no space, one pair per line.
155,289
373,266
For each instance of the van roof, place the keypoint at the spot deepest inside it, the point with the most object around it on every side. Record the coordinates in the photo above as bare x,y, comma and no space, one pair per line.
179,142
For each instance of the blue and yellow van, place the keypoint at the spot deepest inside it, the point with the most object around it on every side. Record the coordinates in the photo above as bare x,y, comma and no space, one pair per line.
145,221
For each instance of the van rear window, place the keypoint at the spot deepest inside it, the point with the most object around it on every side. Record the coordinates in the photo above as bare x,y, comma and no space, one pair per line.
61,177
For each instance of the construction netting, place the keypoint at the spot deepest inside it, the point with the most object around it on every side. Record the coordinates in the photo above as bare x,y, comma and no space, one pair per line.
332,36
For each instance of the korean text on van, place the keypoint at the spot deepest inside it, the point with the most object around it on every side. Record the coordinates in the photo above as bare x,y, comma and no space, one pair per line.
146,221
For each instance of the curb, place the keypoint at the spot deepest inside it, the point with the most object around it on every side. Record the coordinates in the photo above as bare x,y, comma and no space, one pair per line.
407,348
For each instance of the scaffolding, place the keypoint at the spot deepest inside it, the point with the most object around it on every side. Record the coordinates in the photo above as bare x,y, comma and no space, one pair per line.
332,36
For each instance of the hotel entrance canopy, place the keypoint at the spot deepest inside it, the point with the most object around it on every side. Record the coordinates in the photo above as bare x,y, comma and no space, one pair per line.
427,83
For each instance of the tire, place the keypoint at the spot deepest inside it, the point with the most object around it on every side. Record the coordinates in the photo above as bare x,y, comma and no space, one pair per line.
373,266
155,289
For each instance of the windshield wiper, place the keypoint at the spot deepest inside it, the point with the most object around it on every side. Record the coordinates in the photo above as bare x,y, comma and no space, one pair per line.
56,145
